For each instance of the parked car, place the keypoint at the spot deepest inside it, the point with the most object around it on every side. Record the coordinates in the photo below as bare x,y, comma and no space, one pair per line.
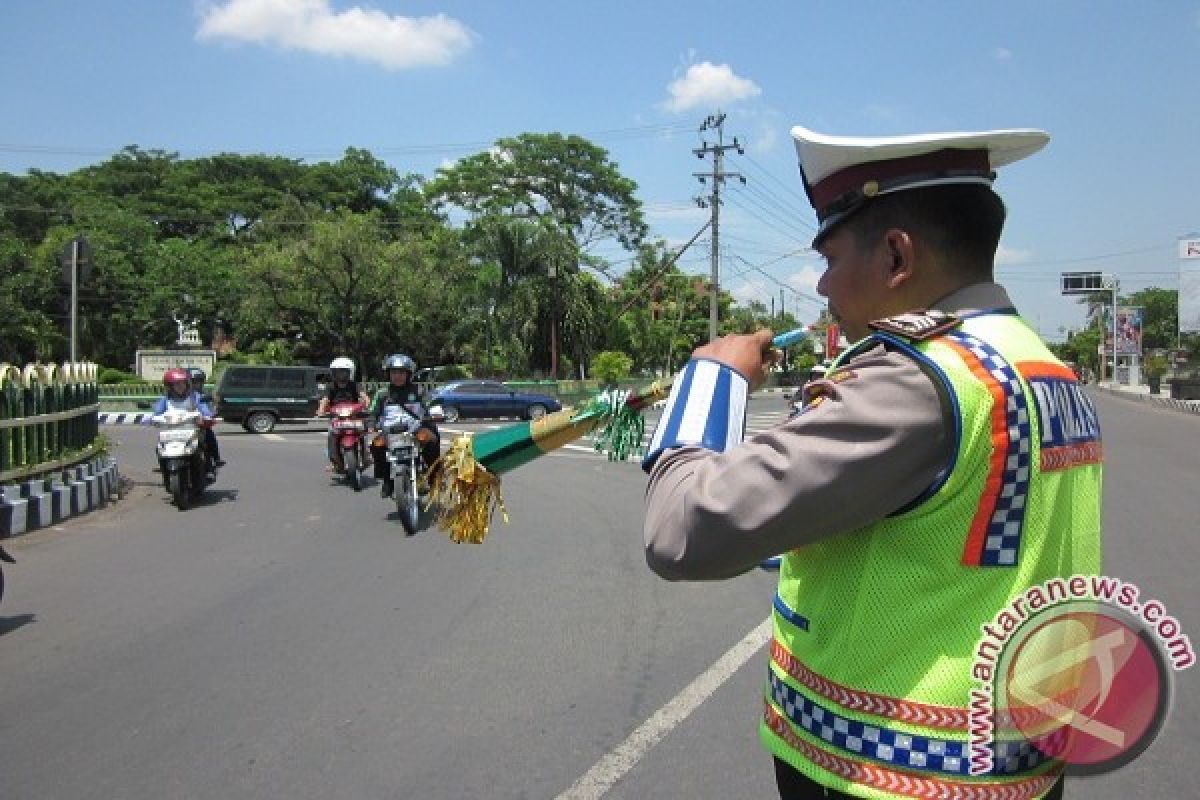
260,396
462,399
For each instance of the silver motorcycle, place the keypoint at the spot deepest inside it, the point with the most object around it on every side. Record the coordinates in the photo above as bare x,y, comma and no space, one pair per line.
402,426
406,468
182,457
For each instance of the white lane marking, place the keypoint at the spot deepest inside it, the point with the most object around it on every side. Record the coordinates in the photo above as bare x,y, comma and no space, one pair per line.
274,437
604,775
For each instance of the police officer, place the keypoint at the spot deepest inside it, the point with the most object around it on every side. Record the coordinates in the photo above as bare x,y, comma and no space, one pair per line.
932,476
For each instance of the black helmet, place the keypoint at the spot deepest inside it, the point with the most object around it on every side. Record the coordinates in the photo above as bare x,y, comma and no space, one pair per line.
197,375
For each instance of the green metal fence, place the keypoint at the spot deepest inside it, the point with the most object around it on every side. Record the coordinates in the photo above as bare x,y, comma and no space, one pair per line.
48,417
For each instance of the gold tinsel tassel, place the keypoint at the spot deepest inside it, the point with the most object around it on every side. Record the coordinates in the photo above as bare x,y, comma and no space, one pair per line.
464,493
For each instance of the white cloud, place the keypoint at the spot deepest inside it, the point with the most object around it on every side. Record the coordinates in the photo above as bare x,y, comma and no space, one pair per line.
707,85
1007,256
804,280
1002,54
393,42
754,290
766,139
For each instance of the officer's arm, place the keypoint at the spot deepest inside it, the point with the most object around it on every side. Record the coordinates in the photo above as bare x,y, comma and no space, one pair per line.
876,439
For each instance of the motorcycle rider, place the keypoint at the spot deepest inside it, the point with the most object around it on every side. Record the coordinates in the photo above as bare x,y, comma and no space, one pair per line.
210,438
179,396
342,389
401,391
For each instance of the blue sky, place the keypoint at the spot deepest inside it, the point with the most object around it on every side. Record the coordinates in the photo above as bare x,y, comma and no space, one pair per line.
422,83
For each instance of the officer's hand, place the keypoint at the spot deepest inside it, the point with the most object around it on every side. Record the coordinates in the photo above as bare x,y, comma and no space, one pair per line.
748,353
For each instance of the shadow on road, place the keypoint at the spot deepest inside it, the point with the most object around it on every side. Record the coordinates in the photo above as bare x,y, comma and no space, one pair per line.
425,519
9,624
210,497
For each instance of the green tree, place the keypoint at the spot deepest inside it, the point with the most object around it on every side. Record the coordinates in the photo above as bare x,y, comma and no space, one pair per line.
346,286
30,319
611,367
565,179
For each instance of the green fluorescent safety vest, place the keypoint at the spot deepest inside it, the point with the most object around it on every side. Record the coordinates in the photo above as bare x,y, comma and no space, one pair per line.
876,630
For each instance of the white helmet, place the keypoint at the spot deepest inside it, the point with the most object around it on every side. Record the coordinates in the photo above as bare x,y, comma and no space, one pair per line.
341,362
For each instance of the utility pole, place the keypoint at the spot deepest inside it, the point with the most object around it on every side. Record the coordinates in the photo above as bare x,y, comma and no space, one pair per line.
717,176
74,292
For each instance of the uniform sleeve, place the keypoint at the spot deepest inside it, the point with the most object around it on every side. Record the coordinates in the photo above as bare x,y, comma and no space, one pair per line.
873,436
160,405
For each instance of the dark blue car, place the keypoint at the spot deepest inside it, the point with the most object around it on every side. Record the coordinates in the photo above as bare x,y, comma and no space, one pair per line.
463,399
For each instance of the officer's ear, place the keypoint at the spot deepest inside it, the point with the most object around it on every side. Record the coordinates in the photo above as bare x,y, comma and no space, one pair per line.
899,257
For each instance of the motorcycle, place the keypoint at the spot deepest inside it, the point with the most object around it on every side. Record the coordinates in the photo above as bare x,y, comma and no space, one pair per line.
404,437
8,559
350,447
407,469
182,458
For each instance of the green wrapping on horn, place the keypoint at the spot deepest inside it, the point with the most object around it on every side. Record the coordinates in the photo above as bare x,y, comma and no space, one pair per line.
465,481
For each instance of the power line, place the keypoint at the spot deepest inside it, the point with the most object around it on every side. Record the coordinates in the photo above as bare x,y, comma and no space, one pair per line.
777,221
803,295
786,187
1100,257
435,148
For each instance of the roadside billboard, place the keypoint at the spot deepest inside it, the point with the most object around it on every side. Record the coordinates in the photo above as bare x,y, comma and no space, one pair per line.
1189,285
151,364
1129,331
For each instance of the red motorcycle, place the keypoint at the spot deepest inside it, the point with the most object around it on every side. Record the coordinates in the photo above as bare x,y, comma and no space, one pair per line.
348,428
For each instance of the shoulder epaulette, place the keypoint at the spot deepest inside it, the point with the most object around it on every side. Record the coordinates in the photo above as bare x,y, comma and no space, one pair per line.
916,325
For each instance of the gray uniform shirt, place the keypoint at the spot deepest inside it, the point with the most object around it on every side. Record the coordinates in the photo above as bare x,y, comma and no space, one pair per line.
880,436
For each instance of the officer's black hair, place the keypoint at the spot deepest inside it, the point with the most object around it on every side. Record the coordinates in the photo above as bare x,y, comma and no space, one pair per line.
962,222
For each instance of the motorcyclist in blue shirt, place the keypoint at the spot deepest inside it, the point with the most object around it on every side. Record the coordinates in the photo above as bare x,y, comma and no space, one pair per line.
180,396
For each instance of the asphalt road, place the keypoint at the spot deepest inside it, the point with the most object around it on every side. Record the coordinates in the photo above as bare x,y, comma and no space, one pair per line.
285,639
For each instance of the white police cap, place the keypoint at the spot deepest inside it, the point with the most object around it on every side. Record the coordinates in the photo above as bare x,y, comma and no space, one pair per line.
843,172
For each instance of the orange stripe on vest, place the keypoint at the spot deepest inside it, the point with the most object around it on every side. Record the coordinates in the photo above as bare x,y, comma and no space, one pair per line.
903,783
973,549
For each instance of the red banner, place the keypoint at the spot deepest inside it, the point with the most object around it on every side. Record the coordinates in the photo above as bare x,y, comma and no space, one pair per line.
832,335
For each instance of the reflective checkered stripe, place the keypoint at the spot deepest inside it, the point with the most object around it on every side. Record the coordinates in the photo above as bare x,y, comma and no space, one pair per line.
995,536
929,715
879,742
886,781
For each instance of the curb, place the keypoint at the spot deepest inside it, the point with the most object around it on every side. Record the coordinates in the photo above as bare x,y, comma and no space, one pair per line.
37,503
1186,406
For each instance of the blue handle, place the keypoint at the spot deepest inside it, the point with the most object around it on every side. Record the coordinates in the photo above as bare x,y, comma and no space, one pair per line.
788,339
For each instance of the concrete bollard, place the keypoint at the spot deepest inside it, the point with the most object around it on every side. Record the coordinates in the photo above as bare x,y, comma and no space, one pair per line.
60,499
94,485
77,491
41,506
13,511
